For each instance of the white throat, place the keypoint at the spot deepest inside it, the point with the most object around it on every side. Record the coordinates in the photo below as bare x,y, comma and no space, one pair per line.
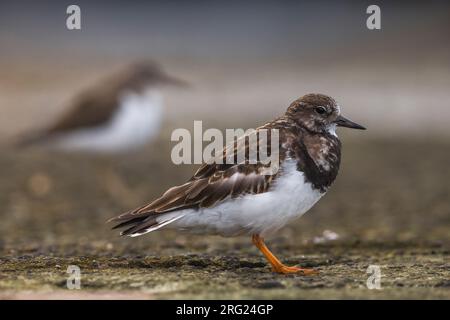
332,129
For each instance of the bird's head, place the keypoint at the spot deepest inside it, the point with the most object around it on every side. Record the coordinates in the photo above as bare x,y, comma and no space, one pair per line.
150,73
318,113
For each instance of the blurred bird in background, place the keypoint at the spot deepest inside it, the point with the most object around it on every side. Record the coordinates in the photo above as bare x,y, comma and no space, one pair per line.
121,113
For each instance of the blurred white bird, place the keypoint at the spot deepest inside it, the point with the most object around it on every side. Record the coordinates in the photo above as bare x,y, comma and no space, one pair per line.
121,113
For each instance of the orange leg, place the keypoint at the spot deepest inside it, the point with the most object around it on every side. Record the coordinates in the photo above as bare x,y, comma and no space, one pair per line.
277,266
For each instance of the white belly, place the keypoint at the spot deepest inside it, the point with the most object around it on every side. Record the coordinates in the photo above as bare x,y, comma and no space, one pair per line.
136,122
261,213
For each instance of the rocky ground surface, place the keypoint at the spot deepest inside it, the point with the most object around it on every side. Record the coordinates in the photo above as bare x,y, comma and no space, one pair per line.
388,208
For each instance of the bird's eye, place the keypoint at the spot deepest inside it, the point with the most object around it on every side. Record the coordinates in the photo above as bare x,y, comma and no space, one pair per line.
321,110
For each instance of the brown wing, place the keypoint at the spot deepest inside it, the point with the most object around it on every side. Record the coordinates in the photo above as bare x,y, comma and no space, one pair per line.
91,109
211,184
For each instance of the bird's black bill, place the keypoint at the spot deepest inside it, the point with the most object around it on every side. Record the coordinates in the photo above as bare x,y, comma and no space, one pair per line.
176,82
344,122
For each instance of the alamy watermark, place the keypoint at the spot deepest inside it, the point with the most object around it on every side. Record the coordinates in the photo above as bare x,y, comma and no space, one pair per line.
73,21
238,147
74,279
373,22
374,279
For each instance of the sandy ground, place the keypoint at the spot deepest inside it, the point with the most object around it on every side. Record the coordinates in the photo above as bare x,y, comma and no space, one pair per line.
384,210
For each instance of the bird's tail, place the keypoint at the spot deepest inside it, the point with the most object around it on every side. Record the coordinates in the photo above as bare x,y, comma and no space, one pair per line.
137,226
30,139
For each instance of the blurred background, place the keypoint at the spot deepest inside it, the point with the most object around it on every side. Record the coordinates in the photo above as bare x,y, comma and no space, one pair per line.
245,61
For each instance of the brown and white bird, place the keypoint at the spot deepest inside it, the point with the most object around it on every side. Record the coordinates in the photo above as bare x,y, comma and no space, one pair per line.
241,198
122,112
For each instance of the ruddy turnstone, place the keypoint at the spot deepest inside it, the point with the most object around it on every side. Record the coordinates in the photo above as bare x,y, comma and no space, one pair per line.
121,113
240,198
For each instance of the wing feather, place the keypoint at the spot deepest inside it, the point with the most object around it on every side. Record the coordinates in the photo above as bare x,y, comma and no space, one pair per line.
211,184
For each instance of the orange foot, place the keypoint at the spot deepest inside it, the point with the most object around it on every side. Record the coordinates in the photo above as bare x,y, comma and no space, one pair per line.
276,264
288,270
